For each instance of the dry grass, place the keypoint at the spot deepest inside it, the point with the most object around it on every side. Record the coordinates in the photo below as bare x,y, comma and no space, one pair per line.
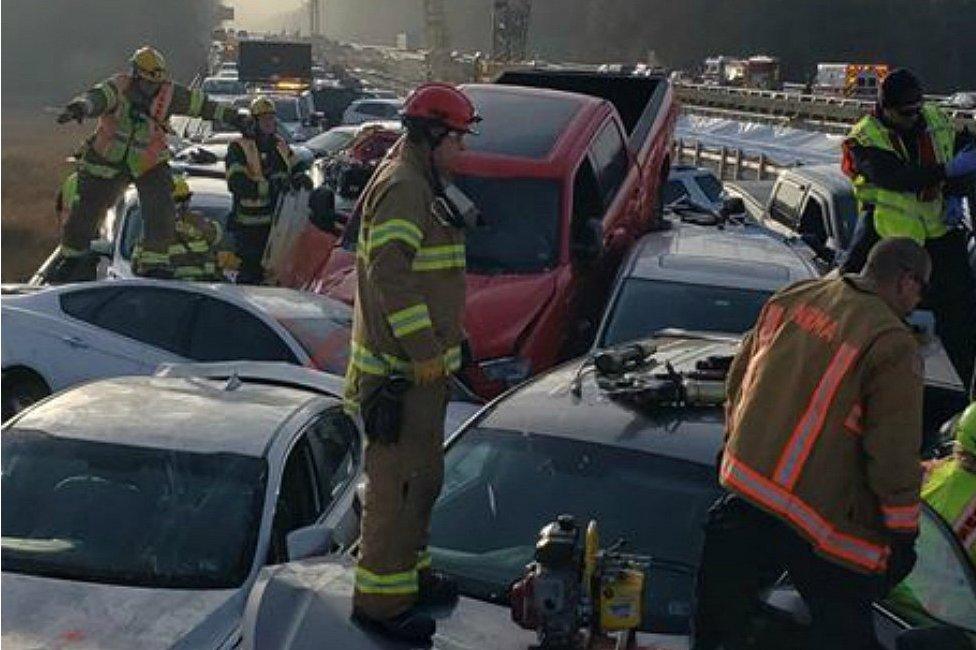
32,165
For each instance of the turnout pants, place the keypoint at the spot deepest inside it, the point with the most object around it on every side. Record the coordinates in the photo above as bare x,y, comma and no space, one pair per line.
97,194
745,551
251,242
403,481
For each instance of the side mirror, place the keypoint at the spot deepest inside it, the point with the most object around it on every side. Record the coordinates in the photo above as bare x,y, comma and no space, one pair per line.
321,203
101,247
733,205
587,242
309,541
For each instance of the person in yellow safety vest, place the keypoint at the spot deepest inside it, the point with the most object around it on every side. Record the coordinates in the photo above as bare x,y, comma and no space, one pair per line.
260,165
129,145
194,256
406,338
821,459
910,171
950,484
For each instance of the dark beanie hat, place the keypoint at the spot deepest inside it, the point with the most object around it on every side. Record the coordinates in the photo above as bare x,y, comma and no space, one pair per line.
899,88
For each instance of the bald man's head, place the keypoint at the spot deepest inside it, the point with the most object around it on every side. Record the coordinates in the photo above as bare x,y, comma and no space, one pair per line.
900,269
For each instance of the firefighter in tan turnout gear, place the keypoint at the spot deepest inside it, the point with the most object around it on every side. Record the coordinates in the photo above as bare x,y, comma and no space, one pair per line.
821,461
129,145
405,342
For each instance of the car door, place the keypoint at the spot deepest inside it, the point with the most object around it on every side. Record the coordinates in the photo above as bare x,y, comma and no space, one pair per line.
112,330
297,504
337,456
222,331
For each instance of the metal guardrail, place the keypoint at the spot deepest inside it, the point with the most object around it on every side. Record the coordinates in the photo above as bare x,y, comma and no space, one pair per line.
728,163
818,110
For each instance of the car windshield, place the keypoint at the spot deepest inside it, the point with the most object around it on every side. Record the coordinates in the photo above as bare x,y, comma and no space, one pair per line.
710,185
639,309
330,142
325,339
501,487
216,211
223,87
287,110
520,231
119,514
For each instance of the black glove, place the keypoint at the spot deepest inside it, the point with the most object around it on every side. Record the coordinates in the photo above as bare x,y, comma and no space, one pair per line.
301,181
382,411
902,559
73,111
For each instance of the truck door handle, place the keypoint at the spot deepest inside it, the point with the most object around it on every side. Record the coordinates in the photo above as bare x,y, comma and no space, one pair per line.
75,342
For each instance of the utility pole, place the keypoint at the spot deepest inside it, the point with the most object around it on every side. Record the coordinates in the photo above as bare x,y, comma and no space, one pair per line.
438,39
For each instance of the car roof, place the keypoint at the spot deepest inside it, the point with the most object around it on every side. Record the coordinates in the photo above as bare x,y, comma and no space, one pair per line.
547,406
829,176
377,100
185,414
736,256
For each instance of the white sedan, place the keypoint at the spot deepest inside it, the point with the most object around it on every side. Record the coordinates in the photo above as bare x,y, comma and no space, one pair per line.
56,337
138,511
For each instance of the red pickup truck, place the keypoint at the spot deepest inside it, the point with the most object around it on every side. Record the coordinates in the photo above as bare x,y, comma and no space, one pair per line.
567,171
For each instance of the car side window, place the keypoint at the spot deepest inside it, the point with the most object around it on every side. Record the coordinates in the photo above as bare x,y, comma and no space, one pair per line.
152,315
83,304
587,203
335,447
297,504
942,585
224,332
785,204
813,222
610,160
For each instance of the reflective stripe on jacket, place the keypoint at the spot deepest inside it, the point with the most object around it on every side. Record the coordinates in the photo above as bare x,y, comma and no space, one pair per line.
824,420
901,214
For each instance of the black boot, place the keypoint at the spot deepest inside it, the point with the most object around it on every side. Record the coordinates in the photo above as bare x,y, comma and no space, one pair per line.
437,589
412,625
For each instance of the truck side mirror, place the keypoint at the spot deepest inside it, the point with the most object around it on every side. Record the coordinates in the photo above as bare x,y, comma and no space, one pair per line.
587,244
321,204
733,205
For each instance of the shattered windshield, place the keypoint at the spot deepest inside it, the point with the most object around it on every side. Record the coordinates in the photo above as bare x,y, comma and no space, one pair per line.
119,514
520,230
502,487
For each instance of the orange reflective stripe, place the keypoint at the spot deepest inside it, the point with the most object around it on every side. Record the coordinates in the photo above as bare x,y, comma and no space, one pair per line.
159,112
811,424
824,536
901,517
853,421
770,324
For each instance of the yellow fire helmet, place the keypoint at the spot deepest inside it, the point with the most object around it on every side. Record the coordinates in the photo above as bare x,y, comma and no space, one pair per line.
149,64
262,106
181,189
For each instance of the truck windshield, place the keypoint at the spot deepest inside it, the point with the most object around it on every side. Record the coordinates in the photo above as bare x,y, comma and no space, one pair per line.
501,487
121,514
521,224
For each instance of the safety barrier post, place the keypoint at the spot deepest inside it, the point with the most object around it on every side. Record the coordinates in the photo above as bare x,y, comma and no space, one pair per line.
723,154
737,164
697,155
761,168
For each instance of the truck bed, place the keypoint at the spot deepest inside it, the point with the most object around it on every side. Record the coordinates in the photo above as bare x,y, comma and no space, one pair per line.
637,99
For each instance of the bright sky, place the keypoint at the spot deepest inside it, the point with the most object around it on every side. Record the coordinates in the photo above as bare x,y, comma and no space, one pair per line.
250,14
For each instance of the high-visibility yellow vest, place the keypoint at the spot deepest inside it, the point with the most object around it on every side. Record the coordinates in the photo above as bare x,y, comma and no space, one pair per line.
951,491
902,214
126,136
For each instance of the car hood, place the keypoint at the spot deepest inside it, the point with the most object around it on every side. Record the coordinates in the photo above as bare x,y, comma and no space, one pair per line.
295,606
52,613
500,308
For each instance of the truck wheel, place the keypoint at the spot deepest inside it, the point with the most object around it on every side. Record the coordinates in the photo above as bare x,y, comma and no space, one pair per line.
21,388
